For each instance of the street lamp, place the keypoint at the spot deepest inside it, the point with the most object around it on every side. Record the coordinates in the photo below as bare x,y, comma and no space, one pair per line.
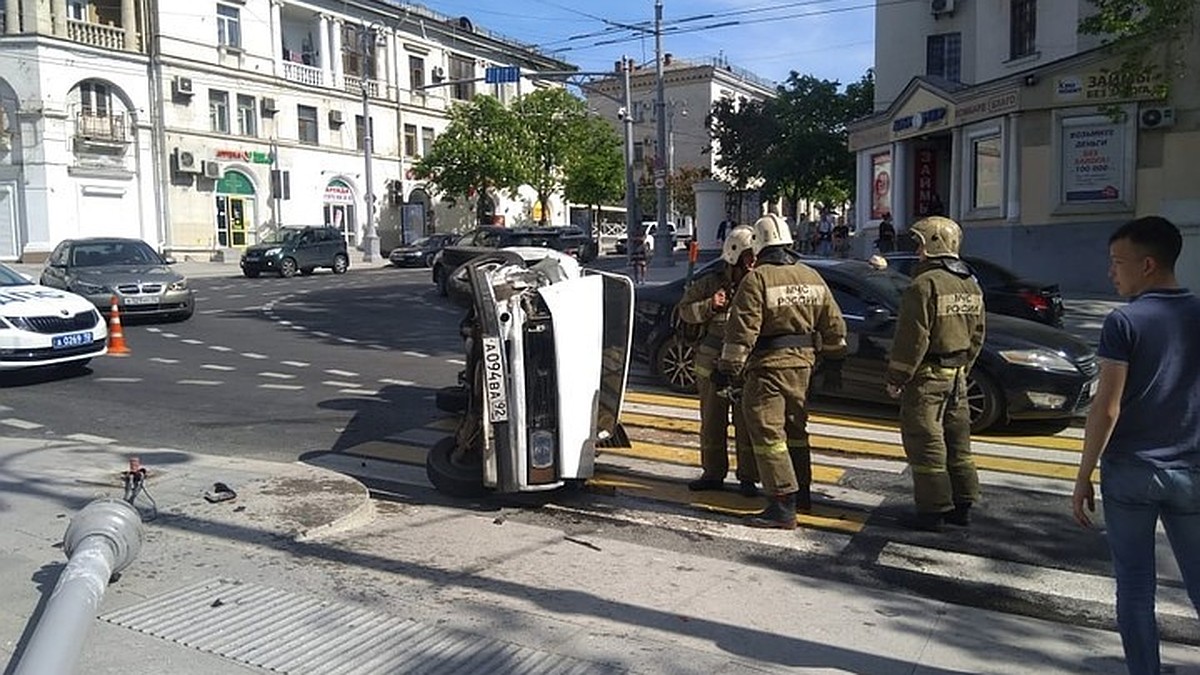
370,242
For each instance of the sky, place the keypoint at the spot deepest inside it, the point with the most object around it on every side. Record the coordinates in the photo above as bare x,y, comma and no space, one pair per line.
830,39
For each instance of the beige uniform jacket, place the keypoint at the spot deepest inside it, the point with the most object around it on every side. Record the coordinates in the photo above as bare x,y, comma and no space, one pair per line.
941,322
696,308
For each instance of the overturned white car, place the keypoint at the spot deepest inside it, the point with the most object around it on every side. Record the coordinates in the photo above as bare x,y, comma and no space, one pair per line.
547,347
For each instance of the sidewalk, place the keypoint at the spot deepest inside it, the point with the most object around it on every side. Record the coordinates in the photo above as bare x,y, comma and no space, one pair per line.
302,572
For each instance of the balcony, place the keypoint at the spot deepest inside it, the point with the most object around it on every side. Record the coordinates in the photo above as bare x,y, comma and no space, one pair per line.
355,85
96,35
104,130
298,72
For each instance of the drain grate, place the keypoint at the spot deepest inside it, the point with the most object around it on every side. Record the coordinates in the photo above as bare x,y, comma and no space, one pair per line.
298,634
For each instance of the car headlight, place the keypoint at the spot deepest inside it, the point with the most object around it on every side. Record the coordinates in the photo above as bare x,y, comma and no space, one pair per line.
273,251
1039,358
86,288
180,285
541,449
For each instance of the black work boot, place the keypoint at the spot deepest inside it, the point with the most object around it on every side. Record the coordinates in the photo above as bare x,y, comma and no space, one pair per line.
780,514
925,521
748,488
804,499
703,484
960,516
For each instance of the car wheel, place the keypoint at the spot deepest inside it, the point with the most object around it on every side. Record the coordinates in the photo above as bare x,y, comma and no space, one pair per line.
439,278
674,364
428,260
251,274
287,268
453,473
306,271
454,400
984,400
340,264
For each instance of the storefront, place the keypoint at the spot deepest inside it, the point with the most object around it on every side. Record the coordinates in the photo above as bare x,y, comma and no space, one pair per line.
235,205
340,203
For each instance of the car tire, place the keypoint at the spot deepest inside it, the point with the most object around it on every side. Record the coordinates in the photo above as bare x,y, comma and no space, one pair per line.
454,400
428,260
451,477
984,400
251,274
306,271
340,263
287,268
673,363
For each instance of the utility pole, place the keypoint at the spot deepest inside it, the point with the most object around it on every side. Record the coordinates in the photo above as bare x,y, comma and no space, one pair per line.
664,244
370,242
631,216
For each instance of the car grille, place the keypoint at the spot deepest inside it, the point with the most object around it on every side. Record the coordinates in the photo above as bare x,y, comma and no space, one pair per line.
57,324
1088,366
541,385
136,289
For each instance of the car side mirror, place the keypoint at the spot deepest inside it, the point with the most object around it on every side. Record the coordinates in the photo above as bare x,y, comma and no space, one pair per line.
876,318
169,260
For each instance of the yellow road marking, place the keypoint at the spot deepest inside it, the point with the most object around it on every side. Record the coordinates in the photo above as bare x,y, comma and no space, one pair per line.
672,454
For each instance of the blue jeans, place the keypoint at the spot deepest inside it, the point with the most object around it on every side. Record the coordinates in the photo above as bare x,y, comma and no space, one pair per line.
1136,495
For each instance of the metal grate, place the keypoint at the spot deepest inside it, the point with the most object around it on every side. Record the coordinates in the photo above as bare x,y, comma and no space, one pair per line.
290,633
57,324
134,289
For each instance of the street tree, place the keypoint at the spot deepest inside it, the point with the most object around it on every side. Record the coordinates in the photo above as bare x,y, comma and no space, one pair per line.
595,168
553,123
1152,36
742,132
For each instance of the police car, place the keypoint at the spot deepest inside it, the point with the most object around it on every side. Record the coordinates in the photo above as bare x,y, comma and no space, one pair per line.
42,326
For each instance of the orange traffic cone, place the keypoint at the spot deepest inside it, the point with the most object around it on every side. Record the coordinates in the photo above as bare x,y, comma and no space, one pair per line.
116,337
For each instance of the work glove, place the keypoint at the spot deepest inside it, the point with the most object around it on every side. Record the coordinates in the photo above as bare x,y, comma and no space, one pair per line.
831,374
720,379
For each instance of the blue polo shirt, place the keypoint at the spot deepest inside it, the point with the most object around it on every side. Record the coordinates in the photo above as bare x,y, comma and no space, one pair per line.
1157,335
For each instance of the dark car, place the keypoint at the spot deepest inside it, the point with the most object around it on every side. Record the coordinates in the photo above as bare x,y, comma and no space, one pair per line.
1025,371
297,249
129,271
421,252
1003,291
486,240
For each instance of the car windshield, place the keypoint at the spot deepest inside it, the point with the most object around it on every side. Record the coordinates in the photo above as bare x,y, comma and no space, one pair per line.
11,277
532,239
109,253
888,285
283,235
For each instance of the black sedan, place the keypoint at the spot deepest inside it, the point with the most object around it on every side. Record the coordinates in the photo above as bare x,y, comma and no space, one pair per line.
1026,371
420,253
1003,291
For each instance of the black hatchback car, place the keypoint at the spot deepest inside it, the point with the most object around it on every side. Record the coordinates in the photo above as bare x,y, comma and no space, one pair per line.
297,249
421,252
1026,370
1003,291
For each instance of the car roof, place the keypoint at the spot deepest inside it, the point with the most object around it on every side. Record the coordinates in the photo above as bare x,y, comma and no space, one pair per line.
105,240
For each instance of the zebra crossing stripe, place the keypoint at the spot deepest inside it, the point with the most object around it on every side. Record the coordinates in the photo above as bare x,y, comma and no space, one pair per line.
672,454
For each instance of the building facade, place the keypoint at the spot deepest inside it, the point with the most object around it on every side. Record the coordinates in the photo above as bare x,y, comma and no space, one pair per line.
238,117
1001,116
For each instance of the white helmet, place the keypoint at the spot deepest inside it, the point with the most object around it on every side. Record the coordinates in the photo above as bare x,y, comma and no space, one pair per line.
771,230
737,241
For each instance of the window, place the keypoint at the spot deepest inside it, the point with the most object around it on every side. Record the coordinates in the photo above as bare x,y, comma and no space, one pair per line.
77,10
354,39
229,26
306,121
943,56
218,110
359,139
462,69
410,141
416,73
1022,29
427,138
247,116
986,172
95,99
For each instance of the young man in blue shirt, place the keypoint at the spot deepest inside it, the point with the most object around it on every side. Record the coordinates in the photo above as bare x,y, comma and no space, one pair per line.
1145,421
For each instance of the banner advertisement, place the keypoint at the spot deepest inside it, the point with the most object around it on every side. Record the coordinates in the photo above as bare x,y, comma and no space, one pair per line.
881,185
1093,161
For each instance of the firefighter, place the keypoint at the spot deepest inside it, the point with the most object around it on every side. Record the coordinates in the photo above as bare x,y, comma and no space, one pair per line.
704,308
782,317
938,336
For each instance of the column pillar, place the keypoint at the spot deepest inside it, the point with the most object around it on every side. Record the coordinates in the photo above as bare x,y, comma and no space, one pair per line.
382,71
12,17
130,23
393,65
58,17
335,53
323,36
902,217
277,35
1012,168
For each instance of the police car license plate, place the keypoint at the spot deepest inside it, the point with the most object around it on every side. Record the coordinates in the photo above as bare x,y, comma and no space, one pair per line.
493,380
141,299
71,340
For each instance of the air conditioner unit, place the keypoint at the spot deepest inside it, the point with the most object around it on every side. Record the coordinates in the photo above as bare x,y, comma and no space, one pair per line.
336,119
939,7
182,86
269,107
211,169
186,161
1156,118
439,73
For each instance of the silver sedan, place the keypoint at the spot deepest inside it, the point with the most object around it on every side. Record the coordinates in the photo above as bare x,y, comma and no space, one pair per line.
129,271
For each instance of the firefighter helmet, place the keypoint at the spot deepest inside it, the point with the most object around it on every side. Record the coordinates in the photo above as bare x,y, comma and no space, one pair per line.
771,230
739,240
940,236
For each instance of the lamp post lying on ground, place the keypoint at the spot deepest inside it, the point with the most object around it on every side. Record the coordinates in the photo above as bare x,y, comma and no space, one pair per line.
101,540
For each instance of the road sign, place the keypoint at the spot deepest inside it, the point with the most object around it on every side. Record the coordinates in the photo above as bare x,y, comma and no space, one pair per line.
502,74
660,183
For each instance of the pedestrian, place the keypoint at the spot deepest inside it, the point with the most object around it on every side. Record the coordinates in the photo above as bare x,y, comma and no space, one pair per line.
841,240
825,235
939,333
886,241
724,227
638,255
782,317
1145,423
705,305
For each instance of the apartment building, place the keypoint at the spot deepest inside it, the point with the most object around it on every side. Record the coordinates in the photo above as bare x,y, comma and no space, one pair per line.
1001,115
236,117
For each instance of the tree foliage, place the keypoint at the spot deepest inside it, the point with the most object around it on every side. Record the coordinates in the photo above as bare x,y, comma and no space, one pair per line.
595,169
553,123
1152,36
478,151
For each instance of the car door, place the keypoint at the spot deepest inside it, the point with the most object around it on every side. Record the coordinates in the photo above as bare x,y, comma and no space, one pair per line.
870,327
307,249
55,272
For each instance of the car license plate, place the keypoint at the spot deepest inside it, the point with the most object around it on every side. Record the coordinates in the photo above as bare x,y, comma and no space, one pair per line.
141,299
71,340
493,380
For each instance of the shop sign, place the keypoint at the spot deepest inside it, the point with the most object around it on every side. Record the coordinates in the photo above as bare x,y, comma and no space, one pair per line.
983,108
927,198
881,184
338,192
248,156
1102,86
1093,162
919,120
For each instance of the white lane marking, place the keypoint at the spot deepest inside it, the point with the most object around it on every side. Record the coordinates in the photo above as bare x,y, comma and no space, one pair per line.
217,366
277,376
254,355
1020,576
119,380
418,355
321,334
299,328
153,329
201,383
219,348
285,322
359,392
378,347
457,362
170,335
89,438
401,383
295,364
4,408
159,359
190,341
20,424
335,383
284,387
211,311
341,373
348,341
235,296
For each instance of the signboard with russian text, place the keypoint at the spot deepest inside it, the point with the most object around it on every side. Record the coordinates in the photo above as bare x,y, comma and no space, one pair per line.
927,200
1093,161
881,185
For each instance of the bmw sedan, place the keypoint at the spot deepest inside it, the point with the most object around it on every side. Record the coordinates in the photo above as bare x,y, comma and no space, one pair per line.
42,326
129,271
1026,370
